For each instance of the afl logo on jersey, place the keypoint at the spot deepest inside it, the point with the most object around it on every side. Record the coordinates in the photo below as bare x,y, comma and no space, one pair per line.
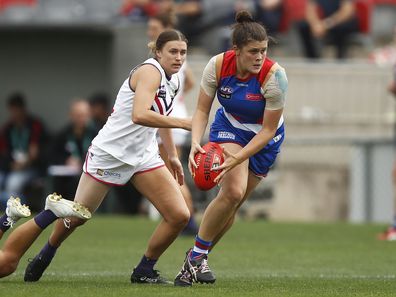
225,92
162,93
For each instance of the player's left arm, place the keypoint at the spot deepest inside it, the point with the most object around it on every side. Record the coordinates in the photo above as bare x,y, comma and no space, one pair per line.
274,92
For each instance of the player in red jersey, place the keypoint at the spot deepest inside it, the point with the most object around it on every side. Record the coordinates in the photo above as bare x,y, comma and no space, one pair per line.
249,125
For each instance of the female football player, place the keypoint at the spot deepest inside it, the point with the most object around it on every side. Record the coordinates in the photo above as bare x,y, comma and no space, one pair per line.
249,125
125,150
155,25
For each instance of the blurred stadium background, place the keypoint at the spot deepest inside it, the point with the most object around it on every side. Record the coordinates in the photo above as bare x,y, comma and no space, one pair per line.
337,159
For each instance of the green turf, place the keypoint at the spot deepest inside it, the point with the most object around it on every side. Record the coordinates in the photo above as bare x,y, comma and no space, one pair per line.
254,259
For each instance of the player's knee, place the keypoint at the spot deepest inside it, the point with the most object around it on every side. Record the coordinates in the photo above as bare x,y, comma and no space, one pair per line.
234,195
180,218
8,265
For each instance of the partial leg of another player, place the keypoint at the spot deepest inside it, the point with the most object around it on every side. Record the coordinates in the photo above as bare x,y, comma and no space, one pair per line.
22,238
14,211
160,187
90,193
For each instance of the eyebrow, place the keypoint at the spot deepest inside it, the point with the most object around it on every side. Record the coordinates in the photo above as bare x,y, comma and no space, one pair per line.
176,49
258,48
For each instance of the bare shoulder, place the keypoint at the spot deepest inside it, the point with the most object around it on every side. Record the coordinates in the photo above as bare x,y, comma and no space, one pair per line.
147,74
148,71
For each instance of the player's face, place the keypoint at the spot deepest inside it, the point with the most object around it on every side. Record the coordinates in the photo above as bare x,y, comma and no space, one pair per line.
252,56
172,56
154,29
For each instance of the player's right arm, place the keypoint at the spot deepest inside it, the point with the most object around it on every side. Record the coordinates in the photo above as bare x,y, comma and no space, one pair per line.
145,82
201,116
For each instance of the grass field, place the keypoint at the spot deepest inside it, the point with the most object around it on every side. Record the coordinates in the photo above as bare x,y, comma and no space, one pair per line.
254,259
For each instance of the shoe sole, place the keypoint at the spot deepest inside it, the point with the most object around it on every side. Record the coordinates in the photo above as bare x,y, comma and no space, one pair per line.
80,210
22,210
206,282
182,284
140,282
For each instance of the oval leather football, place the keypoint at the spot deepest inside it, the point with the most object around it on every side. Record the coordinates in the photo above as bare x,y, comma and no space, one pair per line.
204,173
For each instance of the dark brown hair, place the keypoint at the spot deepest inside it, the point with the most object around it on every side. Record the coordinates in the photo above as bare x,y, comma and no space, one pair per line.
164,37
246,30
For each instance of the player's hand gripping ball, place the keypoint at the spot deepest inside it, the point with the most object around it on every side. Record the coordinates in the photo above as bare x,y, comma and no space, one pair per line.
204,173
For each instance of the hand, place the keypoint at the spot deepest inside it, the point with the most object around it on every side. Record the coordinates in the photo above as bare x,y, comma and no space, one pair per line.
195,148
230,162
177,170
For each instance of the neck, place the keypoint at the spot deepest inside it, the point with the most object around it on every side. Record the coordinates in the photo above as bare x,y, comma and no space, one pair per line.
240,71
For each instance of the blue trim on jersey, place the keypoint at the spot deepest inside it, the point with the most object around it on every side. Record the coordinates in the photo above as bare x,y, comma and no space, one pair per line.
221,131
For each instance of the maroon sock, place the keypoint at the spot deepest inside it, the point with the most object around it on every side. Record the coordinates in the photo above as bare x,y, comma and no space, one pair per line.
45,218
4,225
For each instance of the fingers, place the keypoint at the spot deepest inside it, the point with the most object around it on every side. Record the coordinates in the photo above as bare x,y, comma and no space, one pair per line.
191,169
221,167
219,178
192,166
201,150
180,178
178,174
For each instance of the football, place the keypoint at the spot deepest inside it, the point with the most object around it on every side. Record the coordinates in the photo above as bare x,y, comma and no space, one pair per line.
213,158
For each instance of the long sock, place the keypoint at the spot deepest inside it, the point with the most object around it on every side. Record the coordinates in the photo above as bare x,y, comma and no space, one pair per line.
4,225
45,218
146,265
200,248
48,252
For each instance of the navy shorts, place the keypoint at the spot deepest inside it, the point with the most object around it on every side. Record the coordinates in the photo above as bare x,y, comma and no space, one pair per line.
221,131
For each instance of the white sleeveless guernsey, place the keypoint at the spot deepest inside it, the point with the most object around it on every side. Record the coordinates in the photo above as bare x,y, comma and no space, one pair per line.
120,136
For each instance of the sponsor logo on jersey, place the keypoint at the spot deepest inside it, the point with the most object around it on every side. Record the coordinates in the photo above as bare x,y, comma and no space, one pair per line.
225,92
102,172
242,85
277,138
226,135
253,97
161,93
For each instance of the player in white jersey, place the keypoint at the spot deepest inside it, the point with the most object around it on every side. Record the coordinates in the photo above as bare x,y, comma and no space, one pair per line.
125,150
155,25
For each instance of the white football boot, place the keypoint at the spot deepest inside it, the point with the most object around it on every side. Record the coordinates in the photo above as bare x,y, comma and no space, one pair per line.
63,208
15,210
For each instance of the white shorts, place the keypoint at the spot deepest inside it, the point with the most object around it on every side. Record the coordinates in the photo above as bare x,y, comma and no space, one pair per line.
106,169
